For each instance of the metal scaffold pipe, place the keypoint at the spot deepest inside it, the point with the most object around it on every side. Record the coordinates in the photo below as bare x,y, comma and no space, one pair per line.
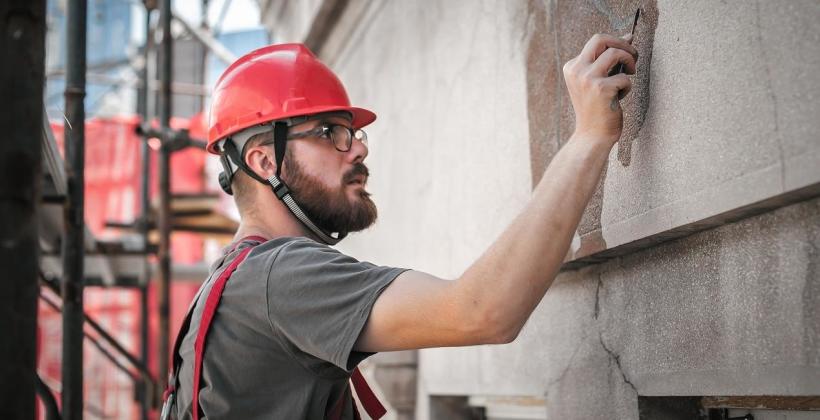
73,243
49,402
145,153
22,47
164,222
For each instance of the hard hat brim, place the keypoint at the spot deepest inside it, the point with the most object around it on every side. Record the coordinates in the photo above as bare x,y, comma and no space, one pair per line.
361,118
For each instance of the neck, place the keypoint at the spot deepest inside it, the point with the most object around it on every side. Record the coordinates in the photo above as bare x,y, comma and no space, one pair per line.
276,221
252,229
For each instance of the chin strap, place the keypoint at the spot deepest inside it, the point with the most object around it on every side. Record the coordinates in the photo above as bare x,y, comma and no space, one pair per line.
232,161
283,193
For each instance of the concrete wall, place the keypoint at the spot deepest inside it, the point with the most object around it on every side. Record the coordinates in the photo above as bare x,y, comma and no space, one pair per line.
695,269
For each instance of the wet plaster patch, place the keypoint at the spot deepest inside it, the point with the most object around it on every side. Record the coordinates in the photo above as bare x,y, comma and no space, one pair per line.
733,139
636,104
556,32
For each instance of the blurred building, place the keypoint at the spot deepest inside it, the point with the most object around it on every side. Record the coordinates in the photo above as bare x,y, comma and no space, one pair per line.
693,282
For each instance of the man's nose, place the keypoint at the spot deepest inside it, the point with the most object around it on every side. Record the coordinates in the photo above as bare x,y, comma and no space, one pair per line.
358,151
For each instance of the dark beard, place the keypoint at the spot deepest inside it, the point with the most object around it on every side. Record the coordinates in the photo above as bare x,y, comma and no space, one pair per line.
330,210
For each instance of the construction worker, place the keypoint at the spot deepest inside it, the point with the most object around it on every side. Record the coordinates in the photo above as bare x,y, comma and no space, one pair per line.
284,319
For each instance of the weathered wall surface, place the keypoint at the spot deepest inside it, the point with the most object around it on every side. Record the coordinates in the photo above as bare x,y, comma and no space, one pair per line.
721,117
722,125
731,311
449,150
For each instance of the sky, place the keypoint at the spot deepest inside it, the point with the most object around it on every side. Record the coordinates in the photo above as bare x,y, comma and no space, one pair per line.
240,14
109,41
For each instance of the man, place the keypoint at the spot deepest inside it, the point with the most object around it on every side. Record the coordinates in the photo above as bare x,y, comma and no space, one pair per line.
297,316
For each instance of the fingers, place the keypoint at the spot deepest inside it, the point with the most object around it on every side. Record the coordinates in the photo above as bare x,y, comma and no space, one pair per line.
611,58
594,94
619,83
601,42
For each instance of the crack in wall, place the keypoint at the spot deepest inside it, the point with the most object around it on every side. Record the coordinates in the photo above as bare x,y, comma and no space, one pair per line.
581,341
614,356
564,371
772,96
597,308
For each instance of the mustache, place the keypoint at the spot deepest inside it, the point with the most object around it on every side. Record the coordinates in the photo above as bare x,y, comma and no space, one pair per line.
358,169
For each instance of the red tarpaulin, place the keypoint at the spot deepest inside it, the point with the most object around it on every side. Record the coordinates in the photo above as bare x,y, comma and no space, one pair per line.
112,193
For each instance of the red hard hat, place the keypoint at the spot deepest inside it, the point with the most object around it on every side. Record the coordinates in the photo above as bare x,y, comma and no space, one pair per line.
274,83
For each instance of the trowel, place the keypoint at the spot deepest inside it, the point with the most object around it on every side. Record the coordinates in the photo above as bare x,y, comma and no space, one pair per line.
620,67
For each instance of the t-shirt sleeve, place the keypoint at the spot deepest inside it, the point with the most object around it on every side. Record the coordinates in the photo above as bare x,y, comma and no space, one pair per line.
320,299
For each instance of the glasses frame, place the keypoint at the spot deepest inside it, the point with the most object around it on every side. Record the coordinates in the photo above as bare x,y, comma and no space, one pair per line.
327,130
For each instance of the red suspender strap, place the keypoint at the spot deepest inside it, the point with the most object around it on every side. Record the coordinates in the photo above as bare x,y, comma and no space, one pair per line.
249,238
371,404
211,303
186,323
369,400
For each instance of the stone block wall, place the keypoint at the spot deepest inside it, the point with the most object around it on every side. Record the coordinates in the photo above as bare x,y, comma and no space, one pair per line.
695,268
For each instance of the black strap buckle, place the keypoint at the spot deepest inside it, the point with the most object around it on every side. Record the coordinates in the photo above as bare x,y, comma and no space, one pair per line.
226,176
281,190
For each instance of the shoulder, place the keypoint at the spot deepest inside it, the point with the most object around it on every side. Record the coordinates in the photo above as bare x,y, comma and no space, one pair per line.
299,253
304,251
286,246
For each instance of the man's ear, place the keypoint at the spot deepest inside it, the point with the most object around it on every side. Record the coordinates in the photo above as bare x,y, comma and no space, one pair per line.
261,161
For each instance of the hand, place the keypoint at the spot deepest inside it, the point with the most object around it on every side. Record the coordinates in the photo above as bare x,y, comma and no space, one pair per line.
595,95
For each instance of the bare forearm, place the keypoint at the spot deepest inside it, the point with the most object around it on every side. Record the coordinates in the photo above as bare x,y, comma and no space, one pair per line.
507,282
491,301
511,277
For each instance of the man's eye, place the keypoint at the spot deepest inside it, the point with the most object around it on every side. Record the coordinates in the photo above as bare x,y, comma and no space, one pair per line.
325,132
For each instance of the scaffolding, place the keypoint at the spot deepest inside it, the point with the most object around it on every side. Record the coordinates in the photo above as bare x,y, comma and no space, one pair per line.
66,255
22,36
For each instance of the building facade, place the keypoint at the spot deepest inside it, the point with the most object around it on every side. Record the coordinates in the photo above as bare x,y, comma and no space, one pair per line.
694,280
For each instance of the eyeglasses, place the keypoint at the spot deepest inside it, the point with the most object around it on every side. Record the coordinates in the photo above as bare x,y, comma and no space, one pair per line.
341,136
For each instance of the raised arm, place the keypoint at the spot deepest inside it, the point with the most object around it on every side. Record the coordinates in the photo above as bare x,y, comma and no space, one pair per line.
494,297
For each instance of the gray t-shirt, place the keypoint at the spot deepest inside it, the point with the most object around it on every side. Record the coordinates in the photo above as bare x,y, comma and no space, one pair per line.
281,343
